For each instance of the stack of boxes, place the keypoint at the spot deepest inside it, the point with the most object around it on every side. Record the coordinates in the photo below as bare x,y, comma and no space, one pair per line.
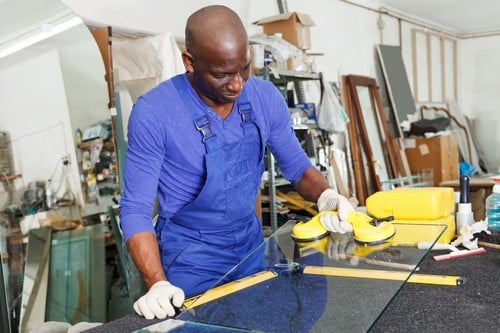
293,27
439,154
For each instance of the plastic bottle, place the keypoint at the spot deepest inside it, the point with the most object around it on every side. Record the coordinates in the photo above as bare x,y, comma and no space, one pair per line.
464,214
493,206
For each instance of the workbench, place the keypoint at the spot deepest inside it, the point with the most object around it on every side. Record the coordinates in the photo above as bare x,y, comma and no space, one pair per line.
469,308
286,297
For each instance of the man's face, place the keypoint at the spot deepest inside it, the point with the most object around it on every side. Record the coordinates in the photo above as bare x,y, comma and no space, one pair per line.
219,75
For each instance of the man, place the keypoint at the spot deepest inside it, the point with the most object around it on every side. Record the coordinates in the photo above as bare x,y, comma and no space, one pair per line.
197,142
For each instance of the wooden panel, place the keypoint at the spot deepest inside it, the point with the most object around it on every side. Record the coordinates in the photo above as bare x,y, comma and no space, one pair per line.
102,37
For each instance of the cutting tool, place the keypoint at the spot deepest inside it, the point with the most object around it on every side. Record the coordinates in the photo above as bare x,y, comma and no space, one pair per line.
366,229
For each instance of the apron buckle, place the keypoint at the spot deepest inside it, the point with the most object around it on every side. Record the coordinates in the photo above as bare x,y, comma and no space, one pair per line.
245,110
202,124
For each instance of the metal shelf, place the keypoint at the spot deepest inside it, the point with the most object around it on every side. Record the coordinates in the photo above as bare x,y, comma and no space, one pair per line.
280,78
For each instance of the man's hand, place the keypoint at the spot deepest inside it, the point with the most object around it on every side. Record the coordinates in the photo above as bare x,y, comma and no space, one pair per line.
330,200
159,301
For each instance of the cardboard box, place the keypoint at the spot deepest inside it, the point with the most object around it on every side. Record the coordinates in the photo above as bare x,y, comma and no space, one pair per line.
439,153
477,200
293,26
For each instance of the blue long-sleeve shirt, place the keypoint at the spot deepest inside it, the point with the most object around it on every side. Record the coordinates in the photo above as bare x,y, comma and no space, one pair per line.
165,153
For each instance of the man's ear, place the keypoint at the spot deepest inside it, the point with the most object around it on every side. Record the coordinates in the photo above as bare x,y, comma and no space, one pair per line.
187,59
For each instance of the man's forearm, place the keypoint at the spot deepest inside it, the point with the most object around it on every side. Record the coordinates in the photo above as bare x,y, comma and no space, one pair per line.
143,248
311,184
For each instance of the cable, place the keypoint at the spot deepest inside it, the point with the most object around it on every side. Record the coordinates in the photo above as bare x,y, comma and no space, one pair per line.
38,132
400,16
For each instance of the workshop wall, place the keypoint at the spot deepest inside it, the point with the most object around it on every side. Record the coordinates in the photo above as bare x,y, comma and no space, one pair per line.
47,93
38,123
345,33
479,92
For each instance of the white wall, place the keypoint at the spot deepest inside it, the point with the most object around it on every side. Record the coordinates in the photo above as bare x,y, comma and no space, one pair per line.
35,113
84,78
46,92
480,92
346,34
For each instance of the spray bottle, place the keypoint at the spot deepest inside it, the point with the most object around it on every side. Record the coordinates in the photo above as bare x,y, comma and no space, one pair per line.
464,214
493,205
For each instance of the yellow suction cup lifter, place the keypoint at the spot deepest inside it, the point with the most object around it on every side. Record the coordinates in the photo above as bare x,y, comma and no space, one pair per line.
366,230
371,231
310,230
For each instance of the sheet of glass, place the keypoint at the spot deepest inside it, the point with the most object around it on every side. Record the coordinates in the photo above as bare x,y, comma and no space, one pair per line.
32,311
180,326
77,288
4,270
309,287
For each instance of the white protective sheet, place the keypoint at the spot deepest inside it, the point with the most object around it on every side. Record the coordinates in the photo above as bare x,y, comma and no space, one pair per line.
142,63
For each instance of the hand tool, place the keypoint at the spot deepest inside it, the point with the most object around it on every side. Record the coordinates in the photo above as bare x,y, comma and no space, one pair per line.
455,252
448,280
366,230
309,230
284,266
228,288
458,254
298,202
490,245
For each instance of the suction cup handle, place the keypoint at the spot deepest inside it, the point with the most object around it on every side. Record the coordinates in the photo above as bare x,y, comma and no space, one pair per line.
464,189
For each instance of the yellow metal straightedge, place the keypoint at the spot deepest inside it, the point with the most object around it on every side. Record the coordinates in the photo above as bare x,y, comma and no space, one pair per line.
228,288
447,280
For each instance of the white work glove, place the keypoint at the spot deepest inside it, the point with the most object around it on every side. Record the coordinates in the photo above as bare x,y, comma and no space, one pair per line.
159,301
330,200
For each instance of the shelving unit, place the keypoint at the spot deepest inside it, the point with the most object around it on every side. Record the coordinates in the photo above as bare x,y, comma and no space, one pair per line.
94,170
281,79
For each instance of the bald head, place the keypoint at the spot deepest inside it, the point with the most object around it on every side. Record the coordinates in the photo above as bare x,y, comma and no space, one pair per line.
214,27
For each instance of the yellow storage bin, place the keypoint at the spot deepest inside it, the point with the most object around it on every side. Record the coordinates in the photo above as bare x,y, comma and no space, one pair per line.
410,232
418,203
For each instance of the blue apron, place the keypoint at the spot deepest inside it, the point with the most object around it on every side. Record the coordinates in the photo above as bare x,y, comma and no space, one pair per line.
206,238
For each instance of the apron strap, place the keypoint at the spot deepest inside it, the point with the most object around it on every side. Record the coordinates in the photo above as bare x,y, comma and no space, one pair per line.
201,122
245,111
